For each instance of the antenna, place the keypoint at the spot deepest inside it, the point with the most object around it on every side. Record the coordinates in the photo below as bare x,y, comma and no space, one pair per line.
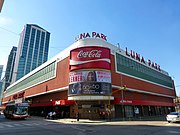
119,48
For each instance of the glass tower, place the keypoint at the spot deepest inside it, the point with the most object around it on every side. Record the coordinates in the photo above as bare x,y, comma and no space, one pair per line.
32,50
10,67
1,70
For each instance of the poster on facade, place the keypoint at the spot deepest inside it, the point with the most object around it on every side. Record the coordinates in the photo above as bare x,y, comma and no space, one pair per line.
89,82
90,75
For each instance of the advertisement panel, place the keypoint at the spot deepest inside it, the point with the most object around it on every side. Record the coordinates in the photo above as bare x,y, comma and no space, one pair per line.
89,82
90,75
89,88
90,57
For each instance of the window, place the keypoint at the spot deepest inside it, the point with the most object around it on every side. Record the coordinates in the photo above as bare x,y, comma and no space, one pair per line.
42,75
131,67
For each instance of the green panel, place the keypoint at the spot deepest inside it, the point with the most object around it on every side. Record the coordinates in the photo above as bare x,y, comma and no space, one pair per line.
40,76
128,66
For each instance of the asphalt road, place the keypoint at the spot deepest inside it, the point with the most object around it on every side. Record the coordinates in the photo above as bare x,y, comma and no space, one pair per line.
39,126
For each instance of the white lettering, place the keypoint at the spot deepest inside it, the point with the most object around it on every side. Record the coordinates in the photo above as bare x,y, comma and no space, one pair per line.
58,102
89,54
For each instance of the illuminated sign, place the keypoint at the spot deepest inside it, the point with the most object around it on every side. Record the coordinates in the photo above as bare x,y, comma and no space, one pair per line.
89,88
19,95
91,35
89,82
62,102
140,58
90,57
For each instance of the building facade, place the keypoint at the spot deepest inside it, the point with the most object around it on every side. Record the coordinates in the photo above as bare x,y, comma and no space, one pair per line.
88,78
32,50
1,70
1,4
10,67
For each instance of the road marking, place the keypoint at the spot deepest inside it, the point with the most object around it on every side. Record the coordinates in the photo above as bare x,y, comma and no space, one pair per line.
1,127
27,124
7,125
174,132
16,124
36,124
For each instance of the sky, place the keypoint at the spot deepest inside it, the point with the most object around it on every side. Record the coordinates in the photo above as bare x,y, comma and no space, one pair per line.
148,27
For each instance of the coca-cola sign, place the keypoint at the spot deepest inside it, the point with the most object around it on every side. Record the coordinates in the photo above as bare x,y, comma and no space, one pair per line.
90,54
90,57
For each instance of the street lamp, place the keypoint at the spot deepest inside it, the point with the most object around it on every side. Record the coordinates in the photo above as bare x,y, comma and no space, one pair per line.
109,103
122,100
122,94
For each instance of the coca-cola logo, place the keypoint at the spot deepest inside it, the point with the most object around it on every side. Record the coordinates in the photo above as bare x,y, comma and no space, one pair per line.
89,54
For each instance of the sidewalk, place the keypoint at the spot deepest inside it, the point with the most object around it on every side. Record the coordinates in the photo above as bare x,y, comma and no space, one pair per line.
74,121
113,121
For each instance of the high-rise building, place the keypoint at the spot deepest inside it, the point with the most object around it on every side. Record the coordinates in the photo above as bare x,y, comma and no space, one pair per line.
1,91
32,50
1,4
1,70
10,67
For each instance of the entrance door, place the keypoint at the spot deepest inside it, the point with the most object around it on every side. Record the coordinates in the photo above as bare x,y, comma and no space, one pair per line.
128,111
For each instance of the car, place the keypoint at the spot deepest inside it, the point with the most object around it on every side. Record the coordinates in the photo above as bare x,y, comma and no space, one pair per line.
1,112
173,117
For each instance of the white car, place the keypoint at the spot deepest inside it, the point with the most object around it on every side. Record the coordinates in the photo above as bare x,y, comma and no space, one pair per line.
173,117
1,112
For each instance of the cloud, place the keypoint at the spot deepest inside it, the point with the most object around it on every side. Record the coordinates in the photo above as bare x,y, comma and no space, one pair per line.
4,21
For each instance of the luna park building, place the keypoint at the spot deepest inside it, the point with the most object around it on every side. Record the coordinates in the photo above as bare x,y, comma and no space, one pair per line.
92,77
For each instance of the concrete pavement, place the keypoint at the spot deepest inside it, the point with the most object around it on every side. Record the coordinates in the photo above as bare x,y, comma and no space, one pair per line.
137,121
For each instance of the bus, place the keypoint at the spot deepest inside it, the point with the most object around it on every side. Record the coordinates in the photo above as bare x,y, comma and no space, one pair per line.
16,110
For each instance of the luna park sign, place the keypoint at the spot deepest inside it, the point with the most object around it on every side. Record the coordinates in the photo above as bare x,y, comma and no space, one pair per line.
91,35
140,58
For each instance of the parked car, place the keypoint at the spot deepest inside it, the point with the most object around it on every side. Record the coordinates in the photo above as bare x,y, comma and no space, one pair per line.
1,112
173,117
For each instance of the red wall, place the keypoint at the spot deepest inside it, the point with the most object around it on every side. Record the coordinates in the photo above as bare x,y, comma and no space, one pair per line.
62,77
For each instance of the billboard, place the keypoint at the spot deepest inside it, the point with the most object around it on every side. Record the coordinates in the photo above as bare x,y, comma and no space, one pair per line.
89,82
90,57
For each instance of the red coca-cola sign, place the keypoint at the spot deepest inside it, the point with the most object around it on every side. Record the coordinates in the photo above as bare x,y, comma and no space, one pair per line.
90,57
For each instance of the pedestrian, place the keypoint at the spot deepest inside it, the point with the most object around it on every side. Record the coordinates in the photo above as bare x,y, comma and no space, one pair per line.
136,111
49,116
103,115
42,113
53,115
77,116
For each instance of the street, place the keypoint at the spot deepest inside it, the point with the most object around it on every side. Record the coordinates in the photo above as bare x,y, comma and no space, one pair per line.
36,126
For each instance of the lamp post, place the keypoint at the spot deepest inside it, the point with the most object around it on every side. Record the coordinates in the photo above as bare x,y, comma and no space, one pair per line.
122,100
109,102
122,94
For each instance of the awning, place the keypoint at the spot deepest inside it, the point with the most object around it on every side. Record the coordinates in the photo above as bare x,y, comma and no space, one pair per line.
141,102
53,103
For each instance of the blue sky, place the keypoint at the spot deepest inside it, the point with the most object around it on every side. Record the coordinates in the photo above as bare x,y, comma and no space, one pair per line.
149,27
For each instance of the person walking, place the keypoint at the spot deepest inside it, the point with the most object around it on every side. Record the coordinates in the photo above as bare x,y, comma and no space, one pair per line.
77,116
53,115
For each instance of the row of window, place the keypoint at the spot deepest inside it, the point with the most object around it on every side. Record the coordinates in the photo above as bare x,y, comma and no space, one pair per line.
136,69
42,75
